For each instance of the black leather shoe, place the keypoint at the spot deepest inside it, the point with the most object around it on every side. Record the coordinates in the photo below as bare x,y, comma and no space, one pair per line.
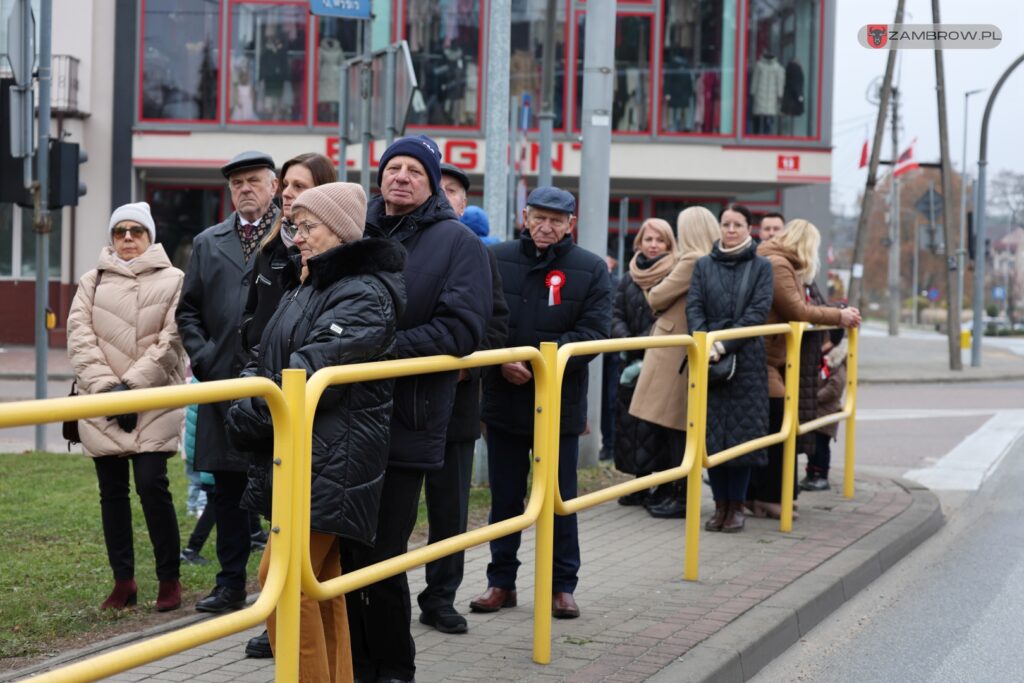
635,498
259,647
222,599
445,619
814,484
673,508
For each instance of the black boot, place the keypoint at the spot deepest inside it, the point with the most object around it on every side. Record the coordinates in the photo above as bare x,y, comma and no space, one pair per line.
674,506
659,495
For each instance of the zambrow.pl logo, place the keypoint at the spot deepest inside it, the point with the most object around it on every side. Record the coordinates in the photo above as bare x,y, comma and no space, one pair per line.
930,36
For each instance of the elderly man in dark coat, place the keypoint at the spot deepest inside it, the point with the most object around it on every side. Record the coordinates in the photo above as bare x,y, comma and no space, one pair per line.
558,292
209,312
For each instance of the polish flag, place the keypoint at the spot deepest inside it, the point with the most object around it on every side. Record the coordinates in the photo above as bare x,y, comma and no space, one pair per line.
906,161
863,155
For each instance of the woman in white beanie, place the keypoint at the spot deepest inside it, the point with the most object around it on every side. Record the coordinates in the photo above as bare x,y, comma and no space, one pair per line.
342,301
121,336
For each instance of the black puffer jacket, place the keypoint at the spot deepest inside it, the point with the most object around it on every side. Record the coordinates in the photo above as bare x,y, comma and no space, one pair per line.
343,313
810,369
584,314
639,445
265,291
448,281
738,409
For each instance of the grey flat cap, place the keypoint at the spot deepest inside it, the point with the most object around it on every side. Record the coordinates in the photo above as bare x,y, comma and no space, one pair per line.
247,160
553,199
457,173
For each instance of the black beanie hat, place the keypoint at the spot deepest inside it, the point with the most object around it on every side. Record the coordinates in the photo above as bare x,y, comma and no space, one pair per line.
422,149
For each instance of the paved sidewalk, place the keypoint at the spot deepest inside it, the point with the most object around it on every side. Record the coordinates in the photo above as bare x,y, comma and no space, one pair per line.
758,592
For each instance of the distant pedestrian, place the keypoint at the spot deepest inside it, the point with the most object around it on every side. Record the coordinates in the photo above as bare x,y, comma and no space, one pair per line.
558,292
732,287
830,400
122,336
772,225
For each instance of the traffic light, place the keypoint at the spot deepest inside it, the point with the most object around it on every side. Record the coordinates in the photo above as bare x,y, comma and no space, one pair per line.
65,187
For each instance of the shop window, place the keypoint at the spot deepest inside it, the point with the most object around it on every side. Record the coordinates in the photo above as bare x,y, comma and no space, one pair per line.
631,98
268,62
336,41
525,66
181,213
698,66
179,60
444,42
6,240
782,67
28,244
669,209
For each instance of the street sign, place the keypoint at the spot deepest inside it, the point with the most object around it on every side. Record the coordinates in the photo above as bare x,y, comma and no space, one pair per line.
936,204
346,9
933,294
998,293
21,44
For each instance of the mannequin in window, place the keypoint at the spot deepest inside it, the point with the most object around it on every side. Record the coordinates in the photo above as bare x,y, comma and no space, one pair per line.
243,107
273,74
766,89
793,94
678,90
330,58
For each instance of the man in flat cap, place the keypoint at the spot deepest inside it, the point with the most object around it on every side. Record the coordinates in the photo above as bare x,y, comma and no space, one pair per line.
447,489
448,282
209,312
557,292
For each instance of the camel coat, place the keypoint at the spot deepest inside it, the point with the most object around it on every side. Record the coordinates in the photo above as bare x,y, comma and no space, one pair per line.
660,395
789,304
124,331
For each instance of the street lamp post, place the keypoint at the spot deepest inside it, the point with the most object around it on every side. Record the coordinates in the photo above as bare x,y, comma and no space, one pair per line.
962,251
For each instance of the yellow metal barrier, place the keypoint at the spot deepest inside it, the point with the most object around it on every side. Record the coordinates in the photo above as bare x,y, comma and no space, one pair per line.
276,590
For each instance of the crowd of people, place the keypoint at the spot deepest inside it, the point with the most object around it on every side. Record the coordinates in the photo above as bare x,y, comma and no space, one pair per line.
309,273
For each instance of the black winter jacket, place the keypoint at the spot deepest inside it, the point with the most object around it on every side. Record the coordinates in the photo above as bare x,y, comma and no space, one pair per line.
583,315
448,282
465,422
738,409
345,312
631,315
265,291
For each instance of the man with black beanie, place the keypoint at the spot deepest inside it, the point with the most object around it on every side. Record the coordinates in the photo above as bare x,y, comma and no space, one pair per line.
448,280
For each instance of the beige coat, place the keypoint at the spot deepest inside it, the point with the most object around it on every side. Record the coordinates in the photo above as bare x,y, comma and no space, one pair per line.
124,331
789,304
660,395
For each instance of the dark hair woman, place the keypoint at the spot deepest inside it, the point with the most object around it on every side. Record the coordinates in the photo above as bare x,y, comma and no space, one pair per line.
343,297
732,287
297,175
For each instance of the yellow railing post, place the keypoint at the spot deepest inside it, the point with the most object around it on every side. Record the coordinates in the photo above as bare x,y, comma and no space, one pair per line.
291,468
851,405
790,422
696,426
545,464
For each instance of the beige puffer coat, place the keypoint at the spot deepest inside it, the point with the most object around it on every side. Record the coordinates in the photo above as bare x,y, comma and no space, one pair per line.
124,331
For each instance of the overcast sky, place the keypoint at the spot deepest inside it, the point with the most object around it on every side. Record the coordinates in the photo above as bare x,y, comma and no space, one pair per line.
856,66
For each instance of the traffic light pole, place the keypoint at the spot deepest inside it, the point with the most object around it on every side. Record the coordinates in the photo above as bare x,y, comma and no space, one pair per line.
42,212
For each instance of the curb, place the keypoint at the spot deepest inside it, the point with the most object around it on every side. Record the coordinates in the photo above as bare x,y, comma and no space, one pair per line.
945,379
741,649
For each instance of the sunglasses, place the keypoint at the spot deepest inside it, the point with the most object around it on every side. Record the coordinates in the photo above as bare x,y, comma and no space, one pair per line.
136,232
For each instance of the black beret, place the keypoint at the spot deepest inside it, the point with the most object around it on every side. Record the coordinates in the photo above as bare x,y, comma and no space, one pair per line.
552,198
247,160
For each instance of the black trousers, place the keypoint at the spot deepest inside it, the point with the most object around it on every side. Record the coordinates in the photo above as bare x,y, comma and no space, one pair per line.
447,494
818,464
205,523
233,541
379,614
766,482
154,491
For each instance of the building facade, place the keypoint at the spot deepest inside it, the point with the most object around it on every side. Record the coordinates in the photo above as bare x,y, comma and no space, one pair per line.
714,101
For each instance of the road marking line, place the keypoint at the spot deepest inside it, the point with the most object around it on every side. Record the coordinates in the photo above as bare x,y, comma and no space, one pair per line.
971,461
879,414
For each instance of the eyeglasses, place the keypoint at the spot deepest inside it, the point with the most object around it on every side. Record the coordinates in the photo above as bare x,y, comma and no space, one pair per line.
303,229
136,232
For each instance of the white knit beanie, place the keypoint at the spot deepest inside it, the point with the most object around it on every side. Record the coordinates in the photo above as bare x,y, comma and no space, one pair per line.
138,212
341,206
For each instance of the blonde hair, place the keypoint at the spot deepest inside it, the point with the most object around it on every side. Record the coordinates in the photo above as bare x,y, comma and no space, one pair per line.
662,228
697,230
802,238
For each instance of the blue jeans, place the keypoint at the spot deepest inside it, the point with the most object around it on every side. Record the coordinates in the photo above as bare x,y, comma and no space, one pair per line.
196,499
508,459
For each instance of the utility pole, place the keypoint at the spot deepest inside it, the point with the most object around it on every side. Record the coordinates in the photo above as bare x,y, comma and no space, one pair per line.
953,304
962,251
595,165
546,118
496,167
857,269
42,211
895,305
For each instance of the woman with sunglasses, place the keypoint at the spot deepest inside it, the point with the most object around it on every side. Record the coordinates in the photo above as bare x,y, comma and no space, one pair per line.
122,335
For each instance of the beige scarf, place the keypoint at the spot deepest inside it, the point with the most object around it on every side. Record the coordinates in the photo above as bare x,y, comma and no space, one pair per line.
653,273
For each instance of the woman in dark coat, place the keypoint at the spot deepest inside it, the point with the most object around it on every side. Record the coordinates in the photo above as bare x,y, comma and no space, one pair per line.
640,446
342,300
738,408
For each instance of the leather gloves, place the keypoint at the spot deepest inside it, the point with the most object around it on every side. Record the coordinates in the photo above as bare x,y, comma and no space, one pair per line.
129,421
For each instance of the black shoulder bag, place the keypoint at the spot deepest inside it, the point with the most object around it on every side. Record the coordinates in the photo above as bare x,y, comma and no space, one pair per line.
725,369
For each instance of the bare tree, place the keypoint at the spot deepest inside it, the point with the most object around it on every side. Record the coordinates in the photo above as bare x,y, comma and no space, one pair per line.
1007,192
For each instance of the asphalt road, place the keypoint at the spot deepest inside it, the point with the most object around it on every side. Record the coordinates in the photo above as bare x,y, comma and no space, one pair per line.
951,611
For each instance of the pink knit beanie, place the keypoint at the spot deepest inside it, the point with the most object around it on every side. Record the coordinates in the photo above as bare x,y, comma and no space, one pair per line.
341,206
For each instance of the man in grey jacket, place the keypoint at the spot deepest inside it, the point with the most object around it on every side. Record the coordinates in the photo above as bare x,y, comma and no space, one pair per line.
208,316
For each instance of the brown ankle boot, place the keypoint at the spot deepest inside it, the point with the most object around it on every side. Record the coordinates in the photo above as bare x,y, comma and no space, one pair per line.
168,597
124,595
734,518
717,519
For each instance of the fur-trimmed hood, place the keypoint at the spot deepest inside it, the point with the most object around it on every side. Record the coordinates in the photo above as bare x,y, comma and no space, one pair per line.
837,356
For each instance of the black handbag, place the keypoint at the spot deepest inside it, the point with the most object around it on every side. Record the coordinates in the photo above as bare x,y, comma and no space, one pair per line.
725,369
